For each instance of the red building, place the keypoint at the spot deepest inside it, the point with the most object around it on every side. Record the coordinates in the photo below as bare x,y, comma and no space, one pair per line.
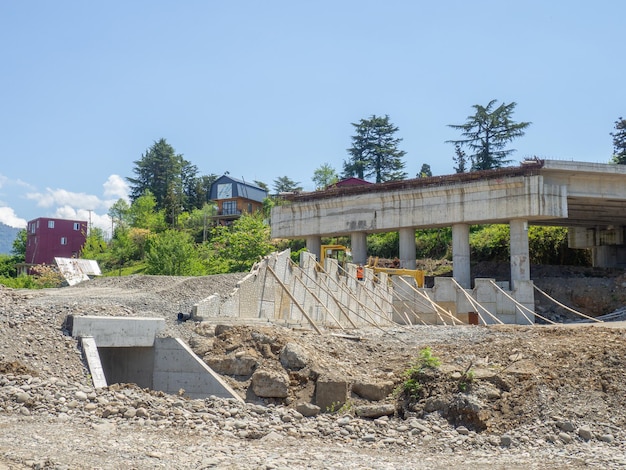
49,238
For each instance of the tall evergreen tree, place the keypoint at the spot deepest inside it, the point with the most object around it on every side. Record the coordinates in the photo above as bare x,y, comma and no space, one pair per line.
166,175
425,172
486,134
460,158
284,184
619,142
375,152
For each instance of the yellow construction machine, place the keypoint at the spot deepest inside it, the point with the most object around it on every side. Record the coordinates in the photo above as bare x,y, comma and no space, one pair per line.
343,256
338,252
416,274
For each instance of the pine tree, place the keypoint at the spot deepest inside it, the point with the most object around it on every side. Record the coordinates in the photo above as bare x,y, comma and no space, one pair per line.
374,151
619,142
486,134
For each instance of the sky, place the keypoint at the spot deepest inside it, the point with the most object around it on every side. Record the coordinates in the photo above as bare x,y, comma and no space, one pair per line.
269,89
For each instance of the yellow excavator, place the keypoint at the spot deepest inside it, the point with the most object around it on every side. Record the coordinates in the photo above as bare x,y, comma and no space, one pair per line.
342,255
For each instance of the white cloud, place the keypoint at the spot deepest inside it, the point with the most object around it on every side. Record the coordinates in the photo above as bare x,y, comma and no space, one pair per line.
101,221
116,187
8,217
62,197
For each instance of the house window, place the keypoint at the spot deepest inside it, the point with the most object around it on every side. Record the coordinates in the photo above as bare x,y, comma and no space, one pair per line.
250,208
32,228
51,224
229,208
76,226
63,240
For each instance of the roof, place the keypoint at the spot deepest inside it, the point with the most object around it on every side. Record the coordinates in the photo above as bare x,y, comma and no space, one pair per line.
240,188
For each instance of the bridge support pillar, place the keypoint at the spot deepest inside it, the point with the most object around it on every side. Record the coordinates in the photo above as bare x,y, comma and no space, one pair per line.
461,255
407,248
314,246
359,247
520,258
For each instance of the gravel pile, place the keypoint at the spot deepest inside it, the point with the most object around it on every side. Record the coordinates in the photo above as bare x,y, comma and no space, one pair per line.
51,423
563,408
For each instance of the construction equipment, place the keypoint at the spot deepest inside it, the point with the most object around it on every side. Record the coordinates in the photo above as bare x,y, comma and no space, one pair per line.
338,252
416,274
343,256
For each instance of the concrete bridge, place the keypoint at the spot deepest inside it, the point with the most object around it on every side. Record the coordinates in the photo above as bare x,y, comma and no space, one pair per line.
588,198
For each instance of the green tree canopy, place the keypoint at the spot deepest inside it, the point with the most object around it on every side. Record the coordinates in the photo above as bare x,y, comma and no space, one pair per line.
238,247
324,176
167,175
173,253
619,142
144,213
460,158
486,134
425,172
18,249
284,184
375,152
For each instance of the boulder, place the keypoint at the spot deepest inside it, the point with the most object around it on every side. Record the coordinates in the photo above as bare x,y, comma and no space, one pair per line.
293,356
373,391
233,365
269,383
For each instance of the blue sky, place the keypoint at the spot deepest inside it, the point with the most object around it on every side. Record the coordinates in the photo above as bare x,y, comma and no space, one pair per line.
270,89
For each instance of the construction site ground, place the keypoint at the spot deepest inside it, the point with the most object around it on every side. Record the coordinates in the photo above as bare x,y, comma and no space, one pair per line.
541,396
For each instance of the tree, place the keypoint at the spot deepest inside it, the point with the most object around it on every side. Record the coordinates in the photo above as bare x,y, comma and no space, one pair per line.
324,176
18,249
262,185
120,213
167,176
143,213
486,134
173,253
375,152
460,159
284,184
425,172
198,191
619,142
238,247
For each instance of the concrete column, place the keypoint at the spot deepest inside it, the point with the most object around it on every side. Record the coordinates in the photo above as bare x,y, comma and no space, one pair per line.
461,255
520,259
407,248
359,247
314,246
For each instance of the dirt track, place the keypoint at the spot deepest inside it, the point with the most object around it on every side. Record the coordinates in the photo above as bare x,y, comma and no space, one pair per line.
555,391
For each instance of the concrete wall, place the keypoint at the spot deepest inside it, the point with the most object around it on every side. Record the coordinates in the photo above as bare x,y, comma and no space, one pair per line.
177,368
331,298
328,298
118,332
129,351
128,365
484,201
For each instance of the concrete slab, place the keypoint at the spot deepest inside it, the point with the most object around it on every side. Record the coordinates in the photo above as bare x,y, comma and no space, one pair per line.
118,332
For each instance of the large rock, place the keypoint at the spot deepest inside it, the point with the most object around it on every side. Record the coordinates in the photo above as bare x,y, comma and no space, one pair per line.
293,356
375,411
233,365
373,391
269,383
331,393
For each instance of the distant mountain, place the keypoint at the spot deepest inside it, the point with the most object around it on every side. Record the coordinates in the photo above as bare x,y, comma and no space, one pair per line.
7,236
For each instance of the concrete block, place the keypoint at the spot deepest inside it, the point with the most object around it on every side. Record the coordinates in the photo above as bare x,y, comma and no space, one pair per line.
177,367
118,332
331,393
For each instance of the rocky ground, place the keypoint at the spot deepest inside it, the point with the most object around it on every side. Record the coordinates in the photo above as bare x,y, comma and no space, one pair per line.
502,397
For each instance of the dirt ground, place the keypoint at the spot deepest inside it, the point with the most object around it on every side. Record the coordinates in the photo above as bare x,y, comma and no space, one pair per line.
491,379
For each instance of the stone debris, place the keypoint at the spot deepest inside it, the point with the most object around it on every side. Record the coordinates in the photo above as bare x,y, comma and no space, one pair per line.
546,397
